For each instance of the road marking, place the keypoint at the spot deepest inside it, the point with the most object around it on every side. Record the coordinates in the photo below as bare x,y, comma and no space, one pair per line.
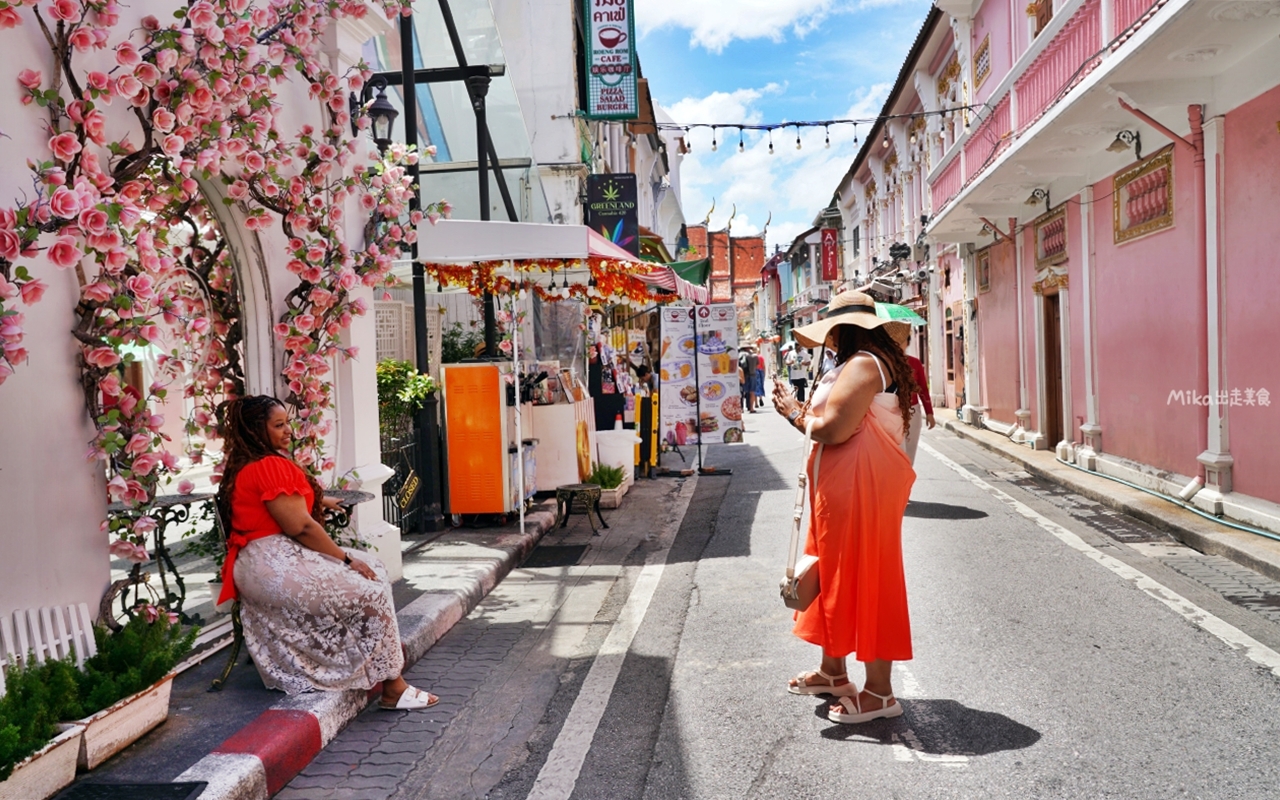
906,745
1232,636
559,775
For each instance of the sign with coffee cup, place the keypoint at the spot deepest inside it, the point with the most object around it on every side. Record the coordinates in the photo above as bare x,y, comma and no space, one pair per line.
610,60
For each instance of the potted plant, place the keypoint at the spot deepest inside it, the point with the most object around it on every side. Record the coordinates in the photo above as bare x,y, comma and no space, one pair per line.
37,756
123,691
611,481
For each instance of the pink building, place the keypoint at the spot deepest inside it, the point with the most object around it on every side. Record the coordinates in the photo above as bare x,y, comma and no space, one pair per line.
1098,180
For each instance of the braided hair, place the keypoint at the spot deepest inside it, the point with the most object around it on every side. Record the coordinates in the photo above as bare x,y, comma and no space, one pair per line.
242,423
851,338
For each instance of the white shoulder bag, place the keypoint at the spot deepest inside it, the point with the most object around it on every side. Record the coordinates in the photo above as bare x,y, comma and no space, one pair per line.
800,586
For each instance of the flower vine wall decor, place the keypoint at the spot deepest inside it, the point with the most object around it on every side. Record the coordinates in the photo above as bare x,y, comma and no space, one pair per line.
125,208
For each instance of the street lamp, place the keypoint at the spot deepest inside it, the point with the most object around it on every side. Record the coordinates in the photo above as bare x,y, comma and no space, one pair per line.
1124,140
382,114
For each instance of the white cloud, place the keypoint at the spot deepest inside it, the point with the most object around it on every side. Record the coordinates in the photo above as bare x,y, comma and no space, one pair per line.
713,24
791,185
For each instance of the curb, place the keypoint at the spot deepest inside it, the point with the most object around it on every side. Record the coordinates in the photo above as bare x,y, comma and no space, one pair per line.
1248,550
262,757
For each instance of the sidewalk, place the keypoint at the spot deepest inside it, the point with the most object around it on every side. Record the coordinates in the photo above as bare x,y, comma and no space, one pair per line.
248,742
1250,550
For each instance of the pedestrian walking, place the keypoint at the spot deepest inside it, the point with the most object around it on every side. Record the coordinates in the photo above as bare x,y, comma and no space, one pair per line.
798,371
760,370
902,335
859,483
316,616
747,366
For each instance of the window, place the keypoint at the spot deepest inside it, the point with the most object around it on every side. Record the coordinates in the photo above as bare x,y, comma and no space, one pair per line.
984,270
1040,11
1051,238
951,346
982,62
1142,197
857,241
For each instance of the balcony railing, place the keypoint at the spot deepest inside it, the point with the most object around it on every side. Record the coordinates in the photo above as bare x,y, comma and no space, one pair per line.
947,185
1073,54
990,137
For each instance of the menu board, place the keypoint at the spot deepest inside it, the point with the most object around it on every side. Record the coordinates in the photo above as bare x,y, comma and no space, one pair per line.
699,402
720,407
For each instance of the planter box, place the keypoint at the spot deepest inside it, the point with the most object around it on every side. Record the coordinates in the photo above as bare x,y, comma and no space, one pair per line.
612,498
45,772
116,727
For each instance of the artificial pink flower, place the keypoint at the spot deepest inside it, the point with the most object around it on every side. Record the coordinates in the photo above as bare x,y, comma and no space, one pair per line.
65,10
64,146
64,253
98,292
144,525
30,78
127,55
186,487
145,463
33,290
150,613
65,203
82,39
102,357
10,244
8,19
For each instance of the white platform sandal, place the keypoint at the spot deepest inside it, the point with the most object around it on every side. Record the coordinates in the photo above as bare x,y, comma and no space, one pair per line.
412,699
804,685
856,715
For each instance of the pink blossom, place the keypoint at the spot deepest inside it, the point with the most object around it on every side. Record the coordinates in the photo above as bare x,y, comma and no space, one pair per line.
102,357
110,385
33,290
116,488
173,144
144,525
186,487
8,290
145,463
127,55
98,80
10,244
64,146
94,126
65,10
123,548
65,203
163,119
64,253
8,19
98,292
202,15
150,613
30,78
254,162
82,39
128,86
304,322
142,286
147,74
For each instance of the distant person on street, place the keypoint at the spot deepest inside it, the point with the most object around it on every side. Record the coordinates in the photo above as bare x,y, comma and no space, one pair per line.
798,371
747,367
903,337
860,480
316,616
759,387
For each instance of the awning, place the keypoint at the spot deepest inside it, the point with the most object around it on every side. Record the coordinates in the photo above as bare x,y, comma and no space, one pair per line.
667,278
460,241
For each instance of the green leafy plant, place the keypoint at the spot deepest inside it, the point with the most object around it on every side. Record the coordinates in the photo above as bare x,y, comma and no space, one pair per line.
458,343
130,660
402,391
606,477
36,696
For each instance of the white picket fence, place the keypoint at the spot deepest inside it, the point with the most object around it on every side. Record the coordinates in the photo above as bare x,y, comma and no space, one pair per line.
43,633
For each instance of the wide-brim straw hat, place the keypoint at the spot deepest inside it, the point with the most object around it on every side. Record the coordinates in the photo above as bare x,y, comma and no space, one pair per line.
847,308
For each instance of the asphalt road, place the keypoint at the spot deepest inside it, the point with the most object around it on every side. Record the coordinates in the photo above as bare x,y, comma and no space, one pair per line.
1060,652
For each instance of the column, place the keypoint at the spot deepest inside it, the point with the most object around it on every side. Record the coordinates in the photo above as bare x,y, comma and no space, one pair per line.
1216,458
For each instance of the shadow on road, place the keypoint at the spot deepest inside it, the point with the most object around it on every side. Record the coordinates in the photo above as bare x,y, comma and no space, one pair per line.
924,510
938,727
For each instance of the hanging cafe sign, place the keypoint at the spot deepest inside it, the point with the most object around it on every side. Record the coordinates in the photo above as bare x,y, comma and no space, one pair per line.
610,59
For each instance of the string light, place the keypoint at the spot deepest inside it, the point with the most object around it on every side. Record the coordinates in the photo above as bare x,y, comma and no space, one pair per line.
855,135
828,127
713,139
740,145
885,141
797,137
771,141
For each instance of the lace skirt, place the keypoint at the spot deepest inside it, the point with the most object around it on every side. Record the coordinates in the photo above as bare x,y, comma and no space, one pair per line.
313,623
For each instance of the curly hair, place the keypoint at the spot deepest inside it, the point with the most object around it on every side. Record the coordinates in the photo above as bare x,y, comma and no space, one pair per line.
851,338
242,424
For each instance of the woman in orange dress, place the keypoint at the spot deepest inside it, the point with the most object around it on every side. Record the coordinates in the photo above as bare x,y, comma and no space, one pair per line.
859,481
317,617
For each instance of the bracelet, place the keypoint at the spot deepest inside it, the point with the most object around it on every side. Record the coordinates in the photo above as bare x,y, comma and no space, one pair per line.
347,559
794,415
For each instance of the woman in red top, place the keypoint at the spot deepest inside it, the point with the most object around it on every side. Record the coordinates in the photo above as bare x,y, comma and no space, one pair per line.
316,616
903,338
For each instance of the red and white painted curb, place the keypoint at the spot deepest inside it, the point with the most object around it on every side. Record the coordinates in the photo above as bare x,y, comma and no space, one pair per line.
261,758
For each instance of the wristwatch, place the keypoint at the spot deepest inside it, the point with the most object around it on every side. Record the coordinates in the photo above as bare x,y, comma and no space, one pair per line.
793,416
347,559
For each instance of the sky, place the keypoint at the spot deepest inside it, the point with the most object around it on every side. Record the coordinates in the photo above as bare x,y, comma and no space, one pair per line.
771,61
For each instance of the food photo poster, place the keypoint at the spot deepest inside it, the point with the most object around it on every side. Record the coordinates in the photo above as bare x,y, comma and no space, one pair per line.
699,403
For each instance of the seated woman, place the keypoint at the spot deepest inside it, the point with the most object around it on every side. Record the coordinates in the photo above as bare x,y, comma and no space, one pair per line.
316,616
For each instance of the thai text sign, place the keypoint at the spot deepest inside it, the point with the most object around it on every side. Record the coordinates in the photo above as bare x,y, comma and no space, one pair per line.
610,59
611,209
830,254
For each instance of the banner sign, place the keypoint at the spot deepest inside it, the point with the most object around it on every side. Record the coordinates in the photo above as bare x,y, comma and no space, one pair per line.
698,370
830,254
610,59
611,209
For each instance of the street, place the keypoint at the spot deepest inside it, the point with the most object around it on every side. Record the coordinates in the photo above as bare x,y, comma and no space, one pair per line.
1061,650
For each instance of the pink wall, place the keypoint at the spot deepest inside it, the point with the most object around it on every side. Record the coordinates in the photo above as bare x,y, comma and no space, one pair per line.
993,18
1251,240
998,335
1148,343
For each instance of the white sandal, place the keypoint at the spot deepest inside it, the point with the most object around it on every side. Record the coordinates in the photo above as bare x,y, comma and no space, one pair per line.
857,715
804,686
412,699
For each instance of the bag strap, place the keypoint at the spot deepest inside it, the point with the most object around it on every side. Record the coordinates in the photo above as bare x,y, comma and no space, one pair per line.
801,486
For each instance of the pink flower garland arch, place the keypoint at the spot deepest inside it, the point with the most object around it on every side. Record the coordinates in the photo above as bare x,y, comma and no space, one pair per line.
128,215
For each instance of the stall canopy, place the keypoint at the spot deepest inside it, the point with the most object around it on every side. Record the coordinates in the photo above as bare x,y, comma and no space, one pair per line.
484,255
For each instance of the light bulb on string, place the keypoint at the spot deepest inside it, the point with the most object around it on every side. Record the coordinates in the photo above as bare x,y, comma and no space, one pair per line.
688,143
771,141
884,143
741,147
828,130
797,137
855,135
714,147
